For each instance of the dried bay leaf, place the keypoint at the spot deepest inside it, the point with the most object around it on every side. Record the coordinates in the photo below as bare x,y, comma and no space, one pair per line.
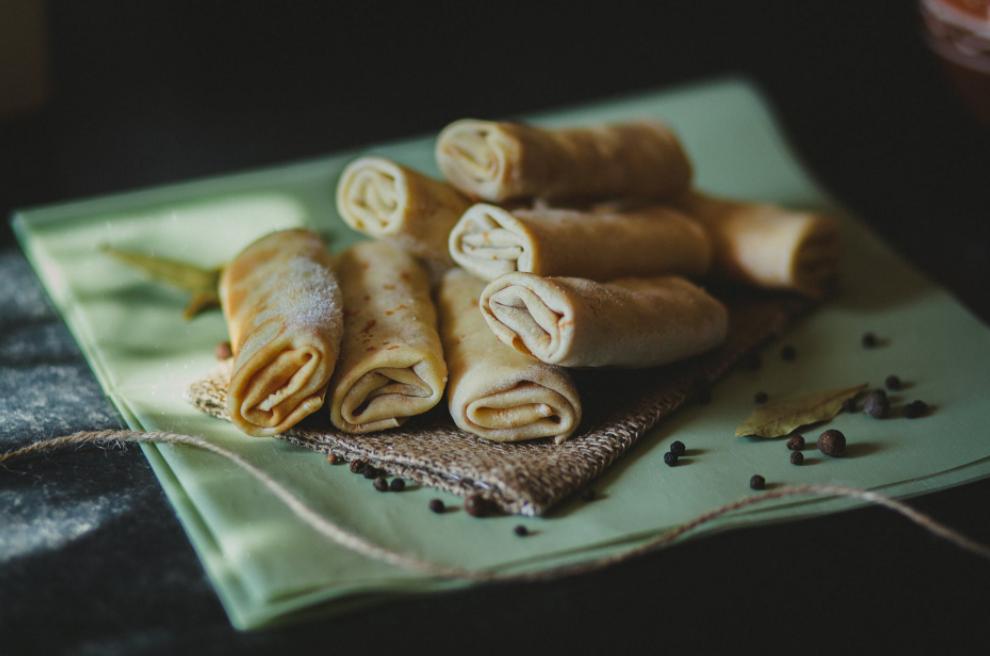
202,283
784,417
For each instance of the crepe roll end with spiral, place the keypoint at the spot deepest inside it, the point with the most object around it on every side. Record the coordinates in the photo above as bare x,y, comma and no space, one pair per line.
391,363
769,246
628,323
283,310
495,392
503,161
388,201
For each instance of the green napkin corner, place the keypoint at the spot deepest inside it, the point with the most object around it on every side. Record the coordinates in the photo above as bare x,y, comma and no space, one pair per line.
267,566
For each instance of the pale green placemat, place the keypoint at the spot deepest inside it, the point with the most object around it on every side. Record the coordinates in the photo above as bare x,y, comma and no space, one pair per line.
266,565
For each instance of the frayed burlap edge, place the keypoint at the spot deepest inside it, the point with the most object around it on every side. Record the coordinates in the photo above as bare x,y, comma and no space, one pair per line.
528,478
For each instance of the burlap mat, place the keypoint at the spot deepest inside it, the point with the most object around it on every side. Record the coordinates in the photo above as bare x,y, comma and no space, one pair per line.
528,478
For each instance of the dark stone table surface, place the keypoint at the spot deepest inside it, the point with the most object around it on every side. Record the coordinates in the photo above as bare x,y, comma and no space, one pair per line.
92,558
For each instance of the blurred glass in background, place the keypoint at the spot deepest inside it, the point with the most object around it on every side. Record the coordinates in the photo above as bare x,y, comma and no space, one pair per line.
958,31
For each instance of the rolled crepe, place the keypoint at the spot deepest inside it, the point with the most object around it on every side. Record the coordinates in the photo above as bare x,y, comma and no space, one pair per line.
490,241
283,310
389,201
509,161
630,322
495,392
391,364
768,246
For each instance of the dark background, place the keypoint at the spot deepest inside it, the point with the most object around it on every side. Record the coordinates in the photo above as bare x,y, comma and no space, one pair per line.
151,92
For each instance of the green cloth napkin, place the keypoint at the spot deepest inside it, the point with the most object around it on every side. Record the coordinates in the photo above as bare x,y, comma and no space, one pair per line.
266,565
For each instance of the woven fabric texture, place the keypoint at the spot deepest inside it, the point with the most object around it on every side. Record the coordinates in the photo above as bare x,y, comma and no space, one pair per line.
528,478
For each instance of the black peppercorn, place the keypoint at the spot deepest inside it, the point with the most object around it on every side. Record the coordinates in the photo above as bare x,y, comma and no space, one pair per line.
892,382
358,466
832,443
869,340
670,458
370,472
795,442
332,459
588,494
397,485
849,405
475,506
876,404
757,482
436,505
760,397
678,448
381,484
915,409
797,458
521,531
788,353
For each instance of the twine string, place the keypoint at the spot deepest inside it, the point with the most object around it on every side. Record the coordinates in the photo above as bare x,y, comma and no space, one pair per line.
361,545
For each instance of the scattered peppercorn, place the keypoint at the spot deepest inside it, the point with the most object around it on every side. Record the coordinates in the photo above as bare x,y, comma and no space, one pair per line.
370,472
915,409
381,484
876,405
795,442
849,405
678,448
797,458
588,494
358,466
475,506
223,351
332,458
521,531
670,458
788,353
757,482
436,505
869,340
760,398
397,485
892,382
832,443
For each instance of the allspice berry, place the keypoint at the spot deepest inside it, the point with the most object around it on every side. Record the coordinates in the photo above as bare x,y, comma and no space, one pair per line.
223,351
876,405
832,443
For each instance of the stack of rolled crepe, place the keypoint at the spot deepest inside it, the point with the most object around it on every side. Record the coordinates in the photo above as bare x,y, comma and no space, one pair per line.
574,285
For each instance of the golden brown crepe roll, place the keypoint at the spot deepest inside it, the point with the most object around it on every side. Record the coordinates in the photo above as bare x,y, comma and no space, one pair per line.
490,241
391,364
283,310
630,322
389,201
768,246
509,161
494,391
